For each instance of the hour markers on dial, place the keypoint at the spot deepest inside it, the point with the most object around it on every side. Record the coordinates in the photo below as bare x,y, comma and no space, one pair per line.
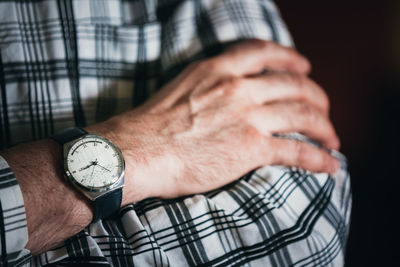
94,162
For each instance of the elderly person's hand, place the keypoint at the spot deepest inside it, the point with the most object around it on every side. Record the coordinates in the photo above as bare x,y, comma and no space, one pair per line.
215,122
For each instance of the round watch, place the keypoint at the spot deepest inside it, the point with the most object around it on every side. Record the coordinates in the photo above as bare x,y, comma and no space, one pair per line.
94,166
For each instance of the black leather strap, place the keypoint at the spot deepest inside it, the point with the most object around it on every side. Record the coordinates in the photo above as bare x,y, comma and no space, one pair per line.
69,134
105,205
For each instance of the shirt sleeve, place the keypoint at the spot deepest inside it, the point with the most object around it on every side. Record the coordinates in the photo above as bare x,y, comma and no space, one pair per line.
13,227
199,29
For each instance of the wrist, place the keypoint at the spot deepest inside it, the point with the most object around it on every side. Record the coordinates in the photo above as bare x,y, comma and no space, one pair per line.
153,167
132,190
54,210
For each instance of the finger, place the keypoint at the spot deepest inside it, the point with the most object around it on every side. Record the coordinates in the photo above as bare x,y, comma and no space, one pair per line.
193,78
279,87
253,56
287,117
246,58
300,154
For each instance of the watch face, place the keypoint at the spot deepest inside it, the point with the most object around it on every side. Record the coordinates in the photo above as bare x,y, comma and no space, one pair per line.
94,163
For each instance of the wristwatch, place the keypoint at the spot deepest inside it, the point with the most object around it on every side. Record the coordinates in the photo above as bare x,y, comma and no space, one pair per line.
94,166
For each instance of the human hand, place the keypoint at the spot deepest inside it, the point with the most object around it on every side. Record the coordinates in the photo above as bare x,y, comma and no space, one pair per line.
215,122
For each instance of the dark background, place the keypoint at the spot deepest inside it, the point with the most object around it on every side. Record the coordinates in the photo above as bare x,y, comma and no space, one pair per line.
354,47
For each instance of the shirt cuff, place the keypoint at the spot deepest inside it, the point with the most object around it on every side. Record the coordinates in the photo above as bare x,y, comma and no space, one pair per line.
13,226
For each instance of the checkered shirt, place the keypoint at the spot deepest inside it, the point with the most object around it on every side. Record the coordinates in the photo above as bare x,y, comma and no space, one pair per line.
76,62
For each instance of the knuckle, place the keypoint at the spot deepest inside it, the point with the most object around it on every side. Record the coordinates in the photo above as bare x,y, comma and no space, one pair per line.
296,82
232,82
210,64
207,65
260,44
195,68
307,112
299,82
263,44
231,86
194,65
251,135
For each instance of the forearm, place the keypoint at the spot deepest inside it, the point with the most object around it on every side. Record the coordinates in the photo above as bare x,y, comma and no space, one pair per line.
54,210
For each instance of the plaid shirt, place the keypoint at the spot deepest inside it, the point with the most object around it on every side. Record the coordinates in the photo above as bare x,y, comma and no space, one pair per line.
65,63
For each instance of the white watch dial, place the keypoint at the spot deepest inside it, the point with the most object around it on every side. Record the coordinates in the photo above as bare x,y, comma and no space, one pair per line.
94,163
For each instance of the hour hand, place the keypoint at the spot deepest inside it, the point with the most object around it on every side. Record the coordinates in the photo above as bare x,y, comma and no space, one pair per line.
87,167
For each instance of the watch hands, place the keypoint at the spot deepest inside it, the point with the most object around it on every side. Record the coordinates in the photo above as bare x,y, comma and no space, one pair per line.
94,166
103,168
94,163
86,167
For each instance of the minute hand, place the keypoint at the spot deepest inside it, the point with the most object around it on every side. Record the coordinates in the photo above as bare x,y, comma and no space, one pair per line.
103,168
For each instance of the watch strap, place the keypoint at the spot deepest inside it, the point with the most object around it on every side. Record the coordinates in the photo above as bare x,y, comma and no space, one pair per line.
107,204
69,134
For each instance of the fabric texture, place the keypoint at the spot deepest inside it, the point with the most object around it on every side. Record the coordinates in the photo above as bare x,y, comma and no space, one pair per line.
73,63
